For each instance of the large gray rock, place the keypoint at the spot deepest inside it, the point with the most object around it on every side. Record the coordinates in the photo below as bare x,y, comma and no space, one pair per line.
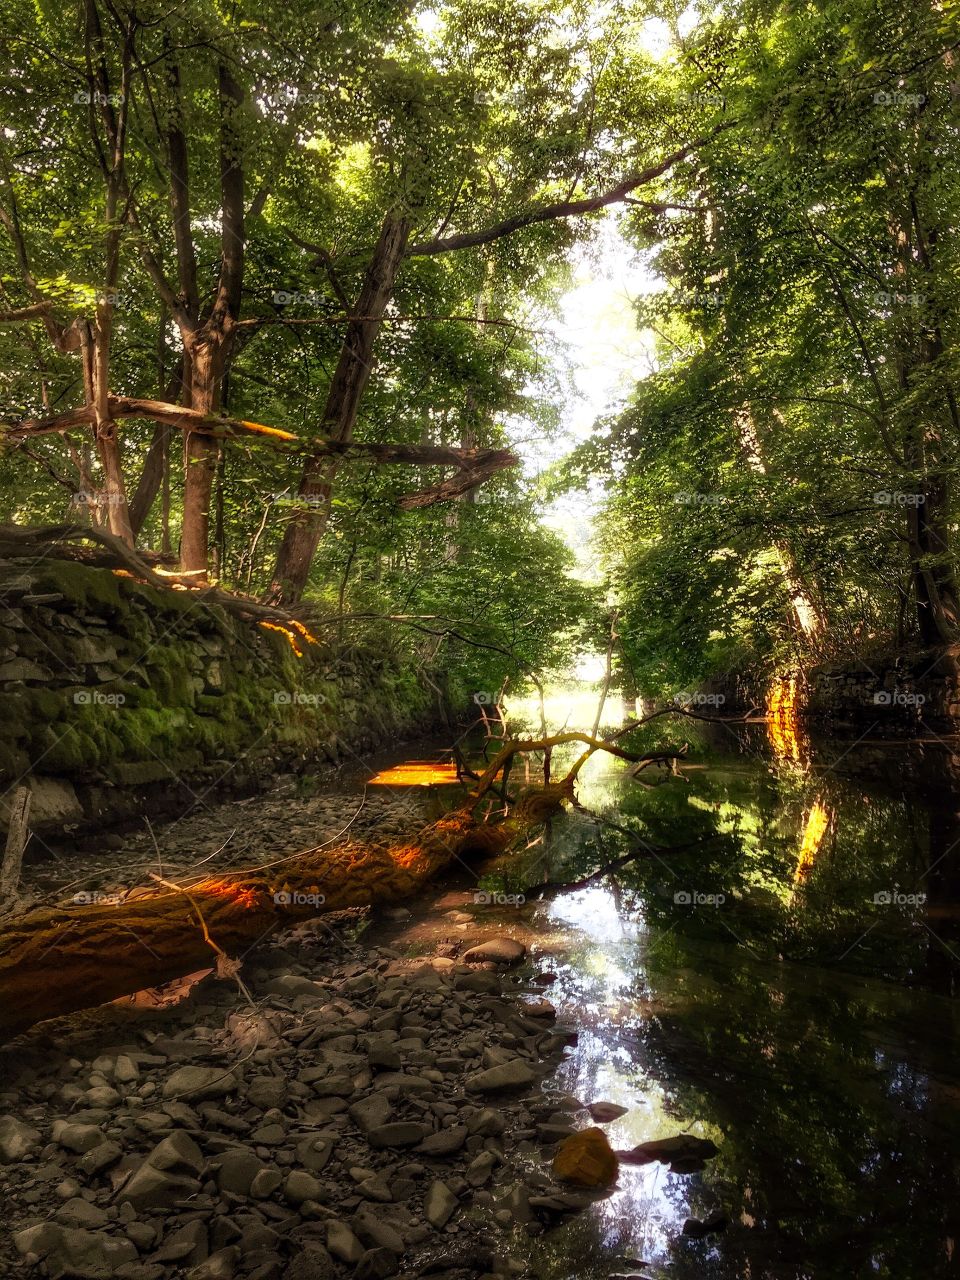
515,1074
169,1173
497,951
376,1233
238,1168
301,1186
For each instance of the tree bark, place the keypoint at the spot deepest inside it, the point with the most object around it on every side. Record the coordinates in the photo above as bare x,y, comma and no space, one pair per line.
54,961
350,378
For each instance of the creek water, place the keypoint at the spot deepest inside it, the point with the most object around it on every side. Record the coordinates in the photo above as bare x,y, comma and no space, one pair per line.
783,985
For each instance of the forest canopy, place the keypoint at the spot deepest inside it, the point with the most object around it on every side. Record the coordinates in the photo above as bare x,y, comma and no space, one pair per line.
272,280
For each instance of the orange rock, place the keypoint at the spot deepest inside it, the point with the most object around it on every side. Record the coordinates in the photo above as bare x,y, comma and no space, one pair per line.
586,1158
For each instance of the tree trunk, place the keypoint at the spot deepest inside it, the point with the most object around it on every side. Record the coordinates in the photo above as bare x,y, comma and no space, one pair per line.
200,455
350,378
54,961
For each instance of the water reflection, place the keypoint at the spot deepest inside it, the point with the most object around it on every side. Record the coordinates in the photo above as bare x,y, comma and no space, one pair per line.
781,988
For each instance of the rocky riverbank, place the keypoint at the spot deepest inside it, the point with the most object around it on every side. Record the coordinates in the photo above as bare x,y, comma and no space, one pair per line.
351,1113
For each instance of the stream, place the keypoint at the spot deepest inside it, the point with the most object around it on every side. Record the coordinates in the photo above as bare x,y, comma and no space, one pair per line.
785,989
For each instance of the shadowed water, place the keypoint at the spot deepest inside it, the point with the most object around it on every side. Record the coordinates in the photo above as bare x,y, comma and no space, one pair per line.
785,987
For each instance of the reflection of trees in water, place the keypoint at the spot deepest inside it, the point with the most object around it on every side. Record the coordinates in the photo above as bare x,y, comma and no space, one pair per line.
834,1151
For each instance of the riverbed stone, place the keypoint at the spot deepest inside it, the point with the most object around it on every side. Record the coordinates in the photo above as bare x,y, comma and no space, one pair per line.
515,1074
399,1133
604,1112
343,1244
586,1159
505,951
199,1083
439,1204
17,1139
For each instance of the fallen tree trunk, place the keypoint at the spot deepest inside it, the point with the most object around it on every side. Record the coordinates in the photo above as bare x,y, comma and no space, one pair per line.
56,960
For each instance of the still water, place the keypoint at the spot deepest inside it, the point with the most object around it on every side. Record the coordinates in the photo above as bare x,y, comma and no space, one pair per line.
777,971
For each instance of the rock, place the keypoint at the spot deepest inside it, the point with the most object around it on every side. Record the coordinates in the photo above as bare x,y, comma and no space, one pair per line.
313,1153
165,1175
343,1244
238,1168
376,1264
480,1168
301,1186
265,1183
17,1139
100,1157
313,1263
77,1137
266,1092
586,1159
151,1188
604,1112
81,1213
69,1251
681,1147
497,951
376,1233
400,1133
439,1204
199,1083
370,1112
189,1245
697,1229
487,1122
444,1142
381,1054
514,1074
333,1087
221,1265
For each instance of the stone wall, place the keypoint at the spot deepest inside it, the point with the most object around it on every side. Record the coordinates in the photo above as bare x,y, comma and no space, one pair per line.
116,697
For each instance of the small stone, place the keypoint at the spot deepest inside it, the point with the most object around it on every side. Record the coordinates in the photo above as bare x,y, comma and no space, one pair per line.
80,1213
439,1204
371,1112
400,1133
77,1137
376,1233
17,1139
604,1112
199,1083
444,1142
376,1264
313,1153
301,1186
265,1183
586,1159
221,1265
343,1244
238,1168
